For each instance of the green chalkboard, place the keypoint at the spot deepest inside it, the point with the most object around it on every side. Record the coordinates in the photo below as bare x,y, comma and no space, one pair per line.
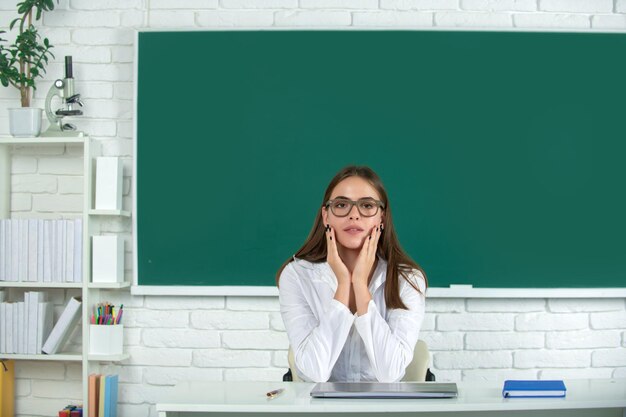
503,153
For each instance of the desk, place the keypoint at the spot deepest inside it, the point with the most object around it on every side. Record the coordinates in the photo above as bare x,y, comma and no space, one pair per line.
585,397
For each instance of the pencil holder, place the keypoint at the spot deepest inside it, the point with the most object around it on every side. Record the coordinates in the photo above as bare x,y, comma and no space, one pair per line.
106,339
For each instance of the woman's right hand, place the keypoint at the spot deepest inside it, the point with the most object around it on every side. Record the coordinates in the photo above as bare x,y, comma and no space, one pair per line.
339,268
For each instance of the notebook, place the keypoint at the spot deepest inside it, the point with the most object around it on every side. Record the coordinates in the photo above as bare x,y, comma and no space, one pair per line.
384,390
533,388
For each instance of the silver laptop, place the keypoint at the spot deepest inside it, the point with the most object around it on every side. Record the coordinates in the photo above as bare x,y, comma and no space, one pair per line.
384,390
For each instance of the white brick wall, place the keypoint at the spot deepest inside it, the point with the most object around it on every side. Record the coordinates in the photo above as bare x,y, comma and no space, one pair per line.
171,339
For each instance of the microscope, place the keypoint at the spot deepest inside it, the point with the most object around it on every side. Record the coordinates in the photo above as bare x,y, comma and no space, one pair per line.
64,89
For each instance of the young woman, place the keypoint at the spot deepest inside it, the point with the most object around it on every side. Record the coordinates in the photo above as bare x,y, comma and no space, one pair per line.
351,299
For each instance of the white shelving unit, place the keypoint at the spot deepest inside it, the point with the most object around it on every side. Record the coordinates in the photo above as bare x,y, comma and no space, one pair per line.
90,292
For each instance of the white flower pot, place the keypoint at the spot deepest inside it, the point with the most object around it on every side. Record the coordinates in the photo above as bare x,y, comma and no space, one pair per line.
25,122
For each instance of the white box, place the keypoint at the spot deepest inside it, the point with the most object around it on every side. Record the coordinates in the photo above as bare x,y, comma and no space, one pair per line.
106,339
107,259
108,183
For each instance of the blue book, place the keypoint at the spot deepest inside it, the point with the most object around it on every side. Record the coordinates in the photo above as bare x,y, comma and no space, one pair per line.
110,396
533,388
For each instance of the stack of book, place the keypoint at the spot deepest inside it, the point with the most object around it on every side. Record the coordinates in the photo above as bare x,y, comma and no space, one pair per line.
25,325
37,250
103,395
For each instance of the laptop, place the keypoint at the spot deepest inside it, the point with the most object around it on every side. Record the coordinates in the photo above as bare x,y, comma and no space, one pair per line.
384,390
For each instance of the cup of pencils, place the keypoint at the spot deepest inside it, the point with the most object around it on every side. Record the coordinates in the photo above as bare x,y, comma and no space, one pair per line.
106,331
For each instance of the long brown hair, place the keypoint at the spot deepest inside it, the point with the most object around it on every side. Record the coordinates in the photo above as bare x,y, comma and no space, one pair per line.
389,249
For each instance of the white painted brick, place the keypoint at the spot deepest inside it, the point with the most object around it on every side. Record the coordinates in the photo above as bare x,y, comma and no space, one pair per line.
420,4
56,36
234,19
339,4
473,20
59,389
313,18
184,4
247,374
498,374
125,129
23,165
221,358
97,36
547,321
132,337
582,339
474,321
620,6
258,340
184,303
472,360
133,18
609,357
61,166
22,389
35,369
259,4
276,322
552,359
396,19
123,54
34,406
135,410
158,357
142,394
442,340
171,18
591,373
105,72
107,4
94,90
83,54
504,305
69,203
253,303
565,305
577,6
551,20
74,371
39,150
117,147
34,183
613,320
608,22
70,185
445,305
97,127
500,5
173,376
428,323
228,320
508,340
156,318
181,338
447,375
619,373
81,19
624,339
109,109
279,359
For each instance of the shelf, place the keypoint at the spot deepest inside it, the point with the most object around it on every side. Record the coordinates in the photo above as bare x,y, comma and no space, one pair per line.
57,357
9,140
108,358
109,285
123,213
37,284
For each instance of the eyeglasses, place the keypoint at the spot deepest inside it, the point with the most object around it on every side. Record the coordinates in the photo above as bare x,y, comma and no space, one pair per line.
341,207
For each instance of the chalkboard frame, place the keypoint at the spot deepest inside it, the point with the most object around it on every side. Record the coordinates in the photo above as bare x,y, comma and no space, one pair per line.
454,291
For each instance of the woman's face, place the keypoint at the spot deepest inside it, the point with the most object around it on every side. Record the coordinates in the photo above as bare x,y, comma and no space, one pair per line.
352,230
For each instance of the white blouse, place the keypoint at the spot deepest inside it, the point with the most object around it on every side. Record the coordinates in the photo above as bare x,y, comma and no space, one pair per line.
332,344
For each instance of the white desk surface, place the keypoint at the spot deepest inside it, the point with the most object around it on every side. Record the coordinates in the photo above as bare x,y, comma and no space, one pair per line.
250,397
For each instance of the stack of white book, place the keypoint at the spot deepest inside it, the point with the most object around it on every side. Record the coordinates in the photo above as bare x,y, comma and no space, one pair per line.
25,325
37,250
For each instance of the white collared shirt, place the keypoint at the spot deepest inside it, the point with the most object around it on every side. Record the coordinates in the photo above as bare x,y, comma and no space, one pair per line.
332,344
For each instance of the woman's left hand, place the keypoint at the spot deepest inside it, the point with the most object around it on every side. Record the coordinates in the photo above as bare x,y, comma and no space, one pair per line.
365,261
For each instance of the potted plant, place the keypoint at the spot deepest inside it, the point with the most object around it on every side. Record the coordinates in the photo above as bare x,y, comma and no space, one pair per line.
22,62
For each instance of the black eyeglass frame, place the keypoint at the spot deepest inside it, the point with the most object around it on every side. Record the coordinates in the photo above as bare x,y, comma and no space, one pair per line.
379,204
